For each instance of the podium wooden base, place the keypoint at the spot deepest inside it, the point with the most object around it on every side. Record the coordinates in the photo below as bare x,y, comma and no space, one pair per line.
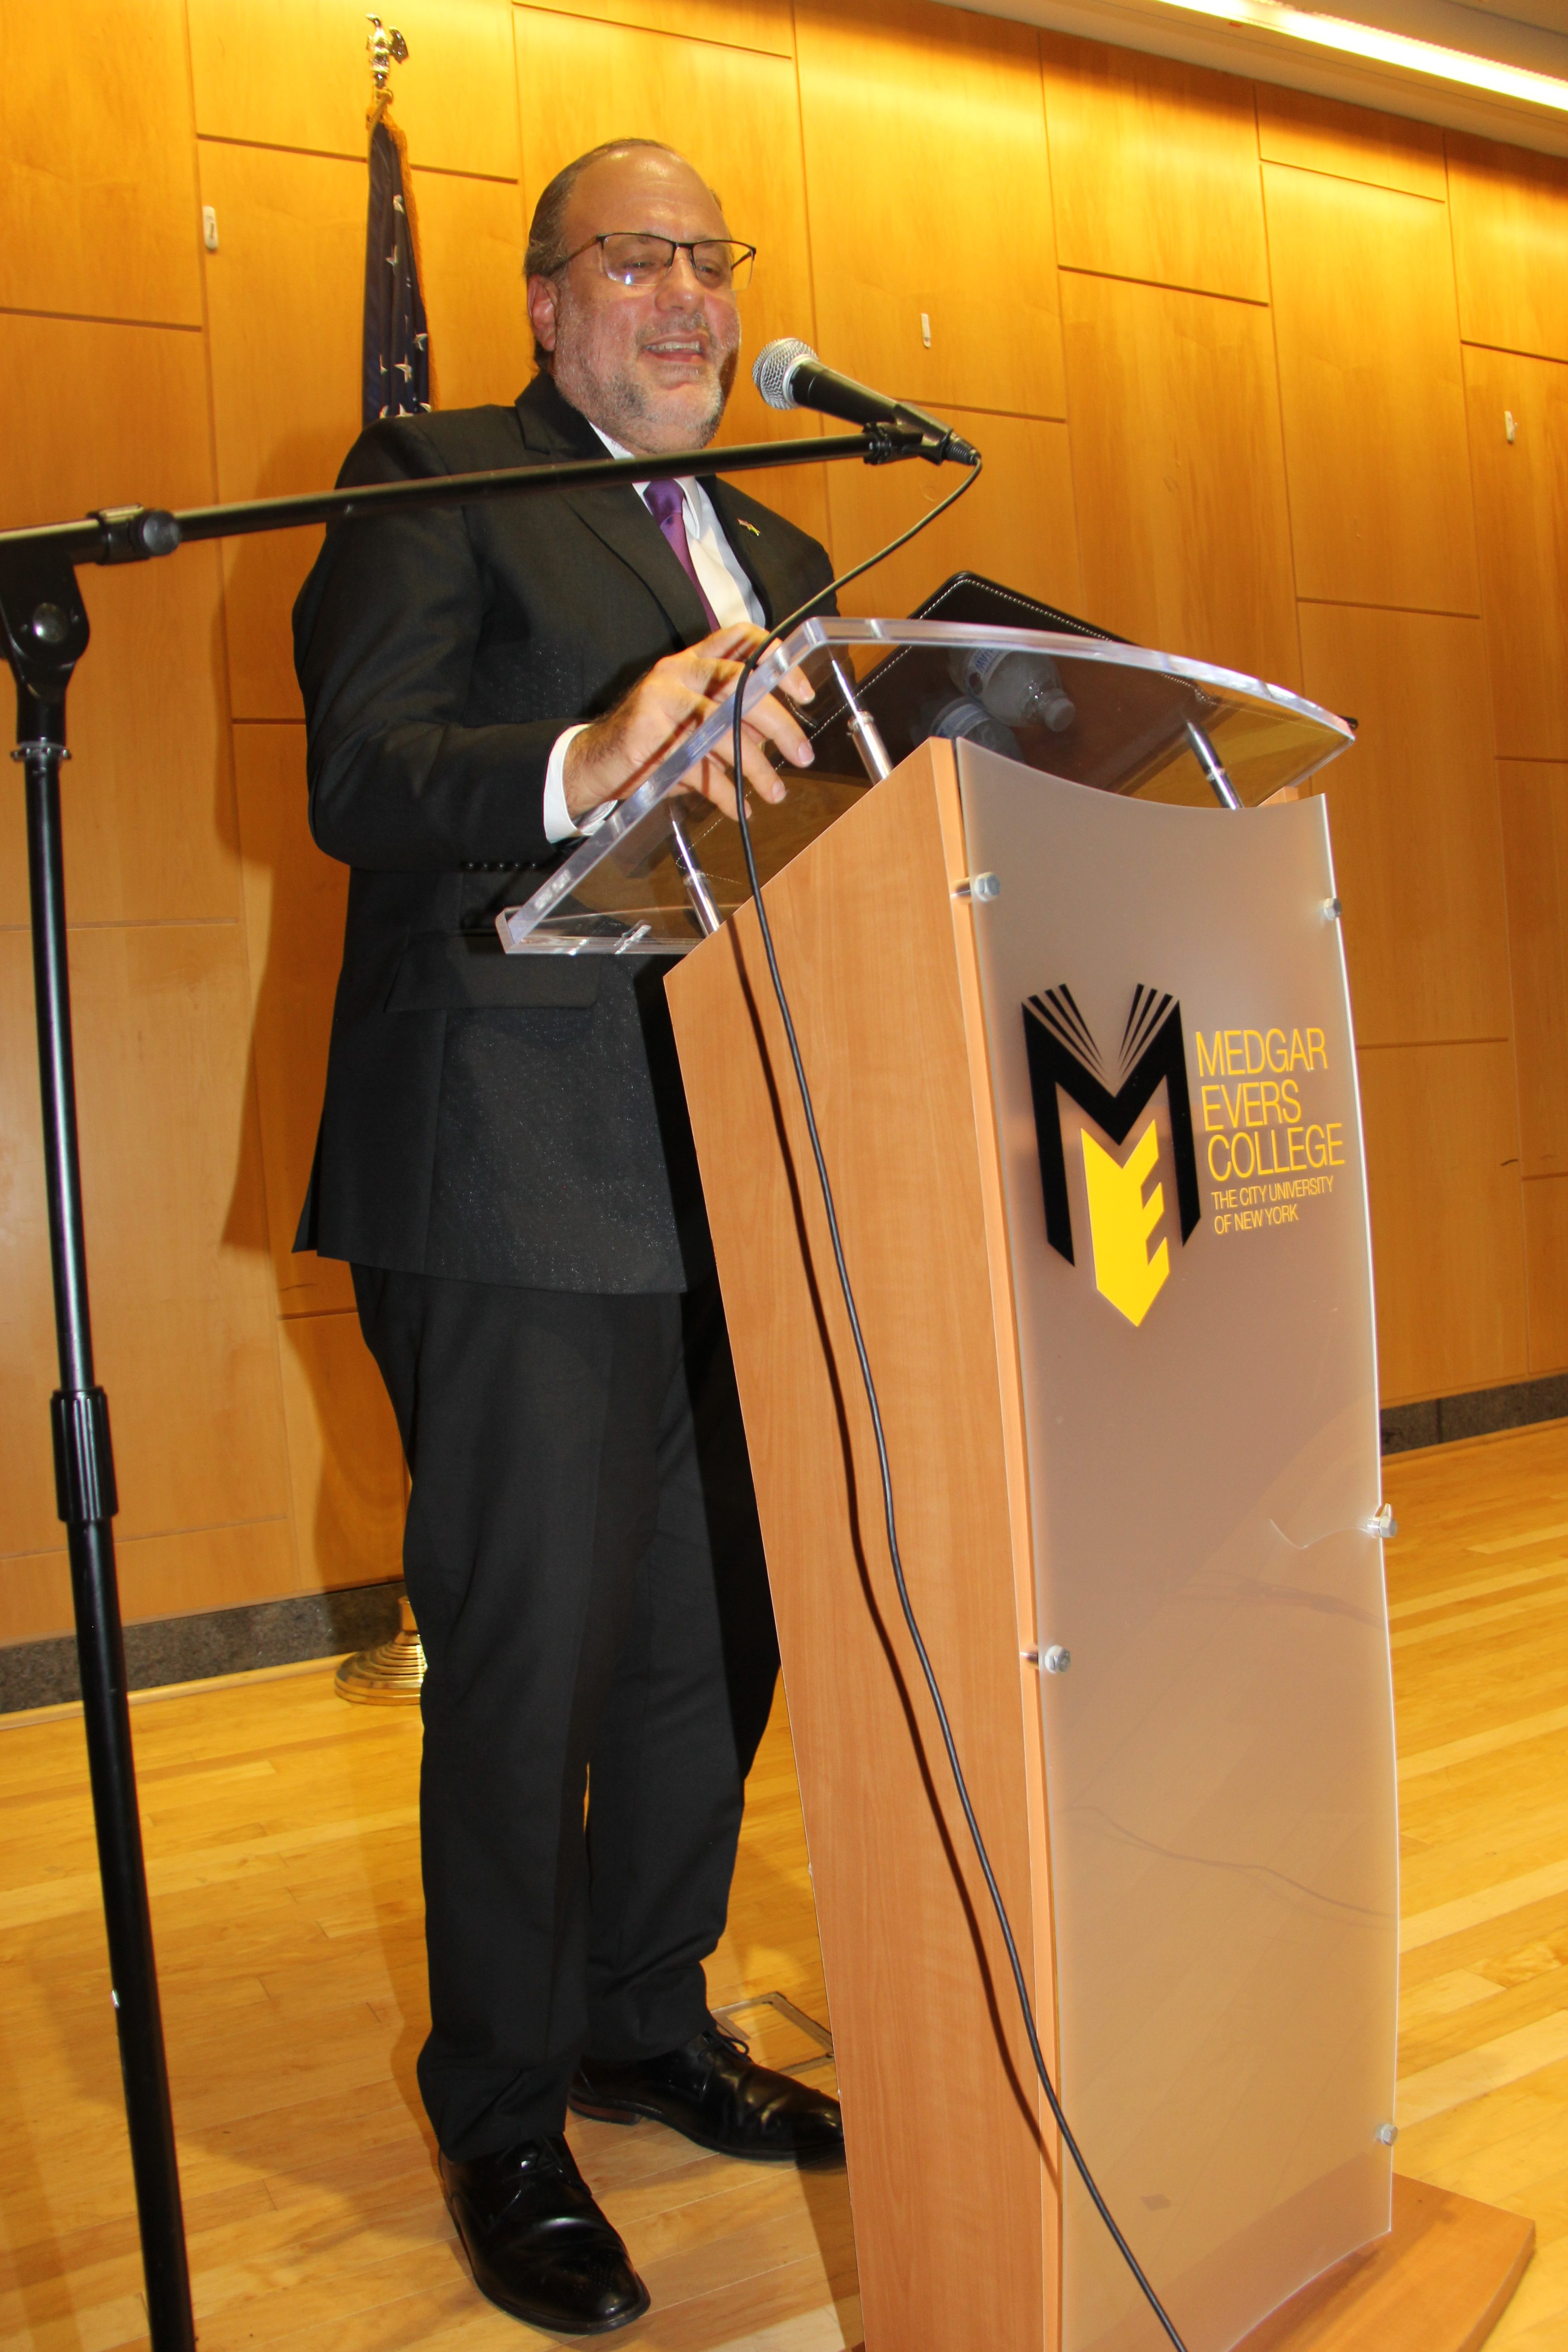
1438,2282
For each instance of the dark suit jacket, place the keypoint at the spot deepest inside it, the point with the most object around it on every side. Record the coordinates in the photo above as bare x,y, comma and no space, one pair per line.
494,1118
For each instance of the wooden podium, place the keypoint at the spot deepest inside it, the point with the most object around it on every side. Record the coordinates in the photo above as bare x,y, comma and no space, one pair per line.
954,2170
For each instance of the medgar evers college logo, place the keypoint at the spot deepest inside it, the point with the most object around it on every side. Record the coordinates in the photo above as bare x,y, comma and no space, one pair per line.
1063,1055
1263,1150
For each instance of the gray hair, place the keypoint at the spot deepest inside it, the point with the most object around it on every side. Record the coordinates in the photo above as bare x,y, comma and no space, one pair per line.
546,239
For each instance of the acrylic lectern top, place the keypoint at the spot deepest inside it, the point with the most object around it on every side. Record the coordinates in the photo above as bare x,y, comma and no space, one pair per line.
665,867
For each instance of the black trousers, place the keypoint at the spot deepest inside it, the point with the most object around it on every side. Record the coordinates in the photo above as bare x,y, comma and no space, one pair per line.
583,1560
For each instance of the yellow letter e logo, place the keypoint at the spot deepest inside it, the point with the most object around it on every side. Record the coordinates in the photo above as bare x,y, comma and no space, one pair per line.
1120,1222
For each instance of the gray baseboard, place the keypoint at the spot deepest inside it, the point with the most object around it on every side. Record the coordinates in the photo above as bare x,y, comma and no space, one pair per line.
211,1642
1440,1421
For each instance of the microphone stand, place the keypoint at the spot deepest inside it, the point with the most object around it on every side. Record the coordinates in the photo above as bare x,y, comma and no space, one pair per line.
46,633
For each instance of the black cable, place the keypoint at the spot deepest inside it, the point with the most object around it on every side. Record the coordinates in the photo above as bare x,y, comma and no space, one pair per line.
884,1469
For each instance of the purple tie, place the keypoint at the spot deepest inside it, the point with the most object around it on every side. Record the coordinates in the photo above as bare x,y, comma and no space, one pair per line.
668,508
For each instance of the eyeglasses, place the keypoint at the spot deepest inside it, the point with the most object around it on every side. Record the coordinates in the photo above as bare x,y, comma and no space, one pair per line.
634,258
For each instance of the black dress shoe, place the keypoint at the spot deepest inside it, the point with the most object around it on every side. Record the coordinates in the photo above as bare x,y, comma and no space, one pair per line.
709,2090
539,2245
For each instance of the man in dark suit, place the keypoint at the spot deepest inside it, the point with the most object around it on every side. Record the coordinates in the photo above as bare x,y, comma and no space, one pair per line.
504,1160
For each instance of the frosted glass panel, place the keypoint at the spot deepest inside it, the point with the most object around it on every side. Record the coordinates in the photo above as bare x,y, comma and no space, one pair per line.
1170,1037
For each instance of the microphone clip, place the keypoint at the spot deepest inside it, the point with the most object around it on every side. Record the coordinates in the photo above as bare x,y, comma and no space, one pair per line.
891,439
940,442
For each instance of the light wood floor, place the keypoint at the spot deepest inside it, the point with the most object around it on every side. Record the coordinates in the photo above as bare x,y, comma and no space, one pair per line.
280,1831
1479,1596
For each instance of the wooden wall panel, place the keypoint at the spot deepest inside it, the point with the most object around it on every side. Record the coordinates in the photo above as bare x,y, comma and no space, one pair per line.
27,1360
294,904
924,174
1374,416
743,23
1535,845
1442,1155
285,294
1546,1271
580,82
160,1576
38,1602
206,1568
1017,525
97,415
470,251
174,1215
1352,143
284,297
1154,167
1413,810
928,191
305,82
183,1320
1521,531
97,189
1511,238
345,1459
1172,407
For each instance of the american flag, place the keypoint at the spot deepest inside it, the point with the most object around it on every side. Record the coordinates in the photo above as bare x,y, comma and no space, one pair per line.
396,377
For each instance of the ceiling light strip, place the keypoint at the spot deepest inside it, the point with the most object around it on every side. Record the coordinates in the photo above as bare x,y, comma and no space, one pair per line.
1397,50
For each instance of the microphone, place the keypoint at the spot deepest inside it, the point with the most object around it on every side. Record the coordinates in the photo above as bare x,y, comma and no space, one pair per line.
789,374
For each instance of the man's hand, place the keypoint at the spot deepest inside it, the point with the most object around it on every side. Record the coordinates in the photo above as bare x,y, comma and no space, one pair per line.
614,755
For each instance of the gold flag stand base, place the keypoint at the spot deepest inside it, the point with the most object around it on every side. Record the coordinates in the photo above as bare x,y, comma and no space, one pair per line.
391,1674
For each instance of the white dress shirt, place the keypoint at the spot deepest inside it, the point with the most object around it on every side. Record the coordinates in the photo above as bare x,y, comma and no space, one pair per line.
727,589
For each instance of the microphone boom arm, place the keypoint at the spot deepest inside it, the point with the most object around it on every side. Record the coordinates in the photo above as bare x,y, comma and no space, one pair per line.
132,534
